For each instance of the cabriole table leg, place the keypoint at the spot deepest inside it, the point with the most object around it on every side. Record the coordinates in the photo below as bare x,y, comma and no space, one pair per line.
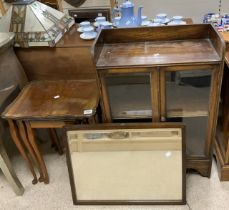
45,177
28,145
16,139
55,140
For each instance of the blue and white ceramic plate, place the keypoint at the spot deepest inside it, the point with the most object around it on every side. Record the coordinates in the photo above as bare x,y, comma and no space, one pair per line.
80,29
145,23
172,23
97,24
154,24
167,20
88,37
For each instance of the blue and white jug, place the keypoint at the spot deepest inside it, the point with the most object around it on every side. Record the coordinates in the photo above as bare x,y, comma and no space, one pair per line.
127,15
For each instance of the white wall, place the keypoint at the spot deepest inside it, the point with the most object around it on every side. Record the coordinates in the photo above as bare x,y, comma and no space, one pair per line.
187,8
225,6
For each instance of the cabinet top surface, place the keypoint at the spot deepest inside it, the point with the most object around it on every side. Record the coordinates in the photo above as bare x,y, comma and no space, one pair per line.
157,53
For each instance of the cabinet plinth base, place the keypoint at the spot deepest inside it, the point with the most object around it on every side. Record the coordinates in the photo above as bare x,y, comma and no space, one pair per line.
222,166
203,167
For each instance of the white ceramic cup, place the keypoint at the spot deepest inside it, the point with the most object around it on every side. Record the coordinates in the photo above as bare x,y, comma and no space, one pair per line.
161,16
116,21
85,24
144,18
100,19
156,20
106,25
88,31
177,19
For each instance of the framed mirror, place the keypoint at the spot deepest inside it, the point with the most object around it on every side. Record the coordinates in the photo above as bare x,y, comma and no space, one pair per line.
126,164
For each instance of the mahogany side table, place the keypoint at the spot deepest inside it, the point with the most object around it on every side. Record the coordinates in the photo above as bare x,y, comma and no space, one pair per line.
49,104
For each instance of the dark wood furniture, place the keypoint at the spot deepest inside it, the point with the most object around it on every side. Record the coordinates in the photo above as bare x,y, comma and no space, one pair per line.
69,59
222,137
89,14
126,163
49,104
164,74
51,3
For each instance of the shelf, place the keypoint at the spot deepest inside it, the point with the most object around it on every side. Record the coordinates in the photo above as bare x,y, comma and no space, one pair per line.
186,101
133,101
130,101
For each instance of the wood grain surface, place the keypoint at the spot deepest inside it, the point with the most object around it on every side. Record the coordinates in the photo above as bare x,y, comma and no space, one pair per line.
157,53
54,100
70,59
161,49
158,45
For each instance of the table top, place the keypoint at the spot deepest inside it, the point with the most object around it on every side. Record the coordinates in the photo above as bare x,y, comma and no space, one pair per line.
225,36
62,100
72,39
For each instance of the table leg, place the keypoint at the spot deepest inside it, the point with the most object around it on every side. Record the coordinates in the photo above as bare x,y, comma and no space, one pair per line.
16,139
32,140
92,120
29,147
56,140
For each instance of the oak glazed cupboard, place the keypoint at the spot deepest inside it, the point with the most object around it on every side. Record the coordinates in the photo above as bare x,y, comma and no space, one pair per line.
167,74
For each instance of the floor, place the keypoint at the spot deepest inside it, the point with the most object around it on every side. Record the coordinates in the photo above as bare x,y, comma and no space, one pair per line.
202,193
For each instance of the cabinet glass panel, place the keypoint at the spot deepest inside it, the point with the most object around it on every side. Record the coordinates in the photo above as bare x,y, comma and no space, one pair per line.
130,96
187,101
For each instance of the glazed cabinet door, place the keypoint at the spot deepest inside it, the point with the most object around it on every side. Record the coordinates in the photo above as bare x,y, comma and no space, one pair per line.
129,94
189,95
